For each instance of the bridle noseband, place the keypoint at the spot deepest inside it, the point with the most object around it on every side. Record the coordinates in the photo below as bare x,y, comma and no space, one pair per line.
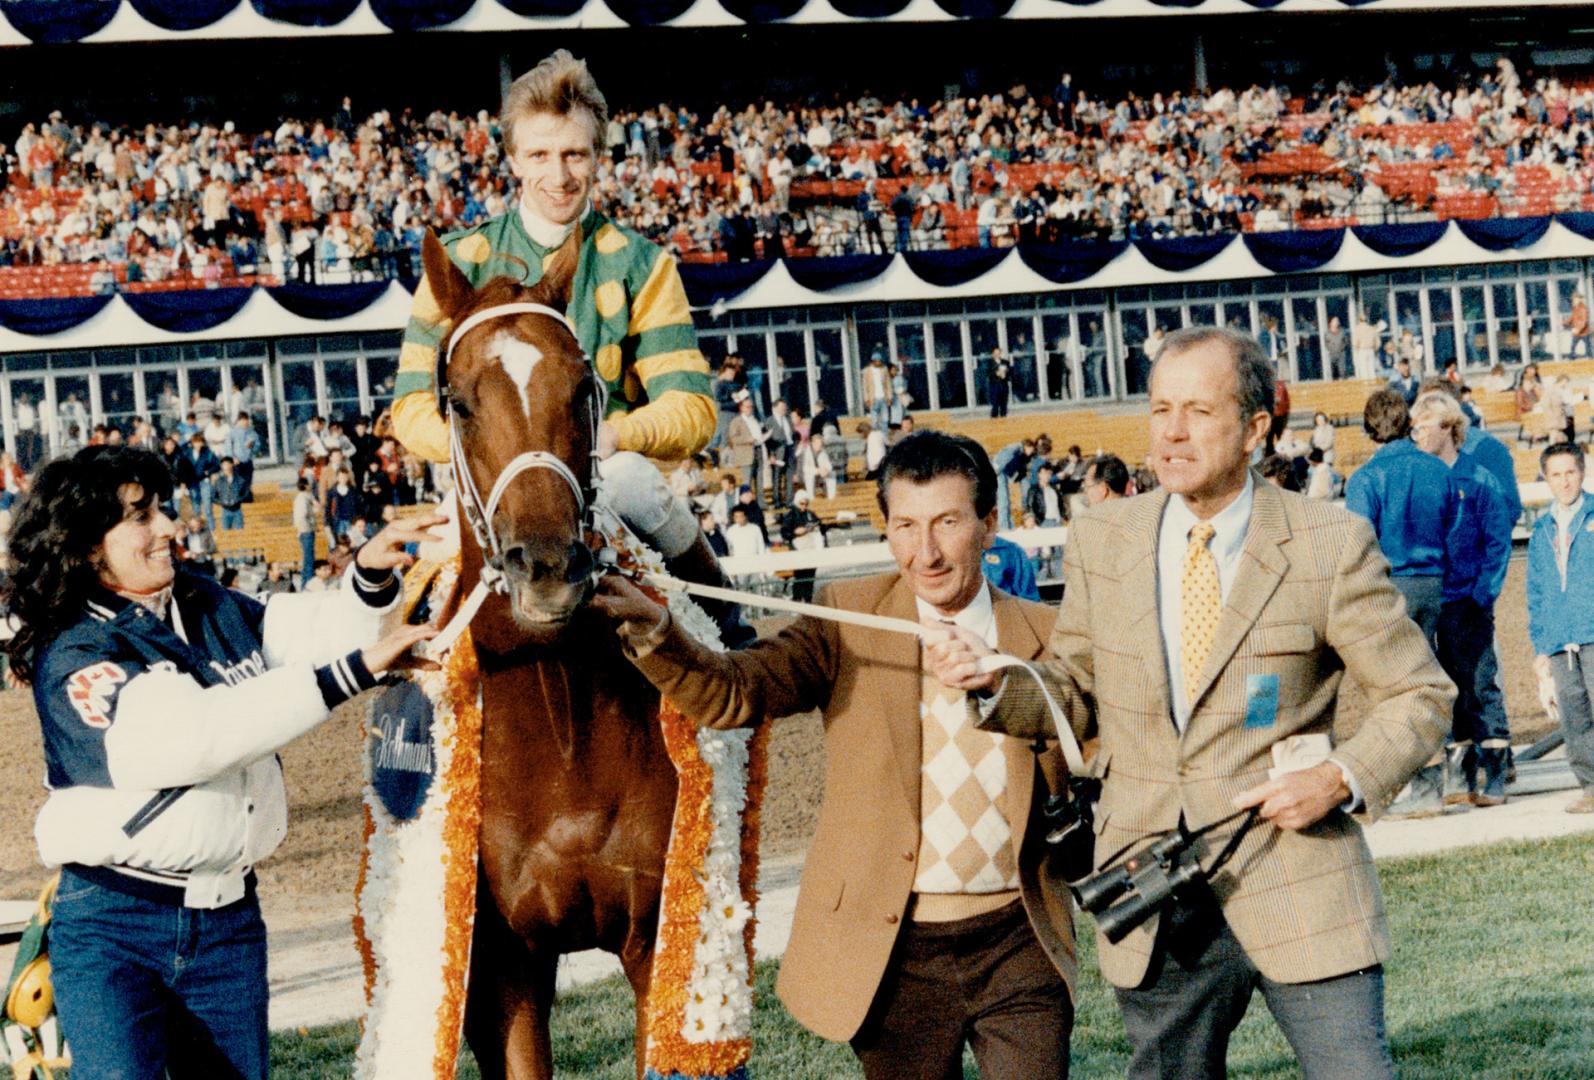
479,513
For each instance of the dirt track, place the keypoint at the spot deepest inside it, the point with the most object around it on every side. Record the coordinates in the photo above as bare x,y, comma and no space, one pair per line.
315,868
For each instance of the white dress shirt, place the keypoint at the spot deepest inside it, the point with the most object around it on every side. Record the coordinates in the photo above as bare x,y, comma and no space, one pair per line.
978,617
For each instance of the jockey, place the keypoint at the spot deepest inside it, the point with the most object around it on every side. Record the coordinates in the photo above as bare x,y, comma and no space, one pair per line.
627,306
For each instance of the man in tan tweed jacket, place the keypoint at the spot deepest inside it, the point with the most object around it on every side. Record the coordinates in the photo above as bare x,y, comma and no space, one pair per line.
1305,599
925,920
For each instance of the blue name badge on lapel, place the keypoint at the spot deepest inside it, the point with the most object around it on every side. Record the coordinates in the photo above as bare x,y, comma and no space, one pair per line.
1261,700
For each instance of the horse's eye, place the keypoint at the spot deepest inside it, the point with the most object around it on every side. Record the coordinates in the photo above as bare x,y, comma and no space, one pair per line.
460,409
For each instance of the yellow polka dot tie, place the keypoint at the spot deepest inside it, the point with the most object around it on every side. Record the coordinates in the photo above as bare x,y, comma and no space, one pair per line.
1201,602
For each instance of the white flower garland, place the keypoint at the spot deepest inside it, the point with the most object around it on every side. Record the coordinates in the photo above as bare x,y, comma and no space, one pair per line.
404,921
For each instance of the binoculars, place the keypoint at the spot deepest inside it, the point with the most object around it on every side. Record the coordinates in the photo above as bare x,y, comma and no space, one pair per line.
1124,896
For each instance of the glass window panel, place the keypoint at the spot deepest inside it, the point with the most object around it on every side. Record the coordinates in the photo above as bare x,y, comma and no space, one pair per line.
983,342
72,421
910,352
752,349
1167,319
1377,351
830,365
947,341
1442,313
1203,315
873,337
1137,365
31,422
1566,290
1408,319
161,397
791,360
1540,333
1058,344
204,387
1507,328
1021,353
1474,328
118,400
343,390
1270,329
1336,337
381,371
1094,355
1308,342
251,382
299,404
713,348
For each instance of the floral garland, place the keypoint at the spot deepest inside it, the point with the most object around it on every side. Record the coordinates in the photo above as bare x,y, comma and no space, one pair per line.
700,1005
416,1007
699,1015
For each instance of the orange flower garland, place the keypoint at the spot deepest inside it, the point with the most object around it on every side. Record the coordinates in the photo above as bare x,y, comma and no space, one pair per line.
463,816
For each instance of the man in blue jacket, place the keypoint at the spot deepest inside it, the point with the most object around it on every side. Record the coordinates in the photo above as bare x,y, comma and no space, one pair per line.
1411,500
1473,578
1561,606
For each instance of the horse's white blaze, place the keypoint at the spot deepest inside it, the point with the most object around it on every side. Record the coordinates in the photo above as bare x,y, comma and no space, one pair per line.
518,359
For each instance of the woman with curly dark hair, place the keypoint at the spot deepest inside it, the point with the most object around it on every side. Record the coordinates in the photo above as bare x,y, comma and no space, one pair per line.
163,697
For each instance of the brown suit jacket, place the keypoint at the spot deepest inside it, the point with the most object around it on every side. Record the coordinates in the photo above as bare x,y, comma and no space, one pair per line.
858,876
1312,600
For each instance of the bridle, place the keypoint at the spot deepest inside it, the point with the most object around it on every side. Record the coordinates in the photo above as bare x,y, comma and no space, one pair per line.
479,513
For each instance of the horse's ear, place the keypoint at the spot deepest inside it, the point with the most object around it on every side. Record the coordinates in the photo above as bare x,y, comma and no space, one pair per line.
451,289
560,271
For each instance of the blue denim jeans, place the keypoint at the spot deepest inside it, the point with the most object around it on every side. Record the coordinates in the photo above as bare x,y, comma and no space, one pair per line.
144,986
232,518
307,557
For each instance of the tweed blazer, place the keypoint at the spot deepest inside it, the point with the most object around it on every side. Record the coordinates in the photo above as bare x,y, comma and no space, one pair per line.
858,875
1310,601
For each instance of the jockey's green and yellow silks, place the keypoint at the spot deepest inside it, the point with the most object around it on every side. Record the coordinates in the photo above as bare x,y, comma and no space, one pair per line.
630,313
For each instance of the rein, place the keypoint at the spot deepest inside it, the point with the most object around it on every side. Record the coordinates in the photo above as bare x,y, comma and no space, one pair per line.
479,512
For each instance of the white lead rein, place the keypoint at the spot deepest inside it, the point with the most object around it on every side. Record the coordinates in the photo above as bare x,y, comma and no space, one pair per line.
438,647
926,634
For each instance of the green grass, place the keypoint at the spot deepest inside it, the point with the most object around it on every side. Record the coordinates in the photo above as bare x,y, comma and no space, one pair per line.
1492,979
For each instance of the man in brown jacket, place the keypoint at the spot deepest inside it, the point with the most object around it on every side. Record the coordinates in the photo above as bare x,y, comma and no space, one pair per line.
925,919
1203,635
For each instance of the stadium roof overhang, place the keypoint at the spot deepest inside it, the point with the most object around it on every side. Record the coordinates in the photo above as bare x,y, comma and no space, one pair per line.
149,318
24,22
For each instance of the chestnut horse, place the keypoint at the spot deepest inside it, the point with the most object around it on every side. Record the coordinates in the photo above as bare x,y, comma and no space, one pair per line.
577,789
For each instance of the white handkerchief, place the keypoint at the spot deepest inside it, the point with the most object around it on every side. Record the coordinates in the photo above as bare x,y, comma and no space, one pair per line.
1298,752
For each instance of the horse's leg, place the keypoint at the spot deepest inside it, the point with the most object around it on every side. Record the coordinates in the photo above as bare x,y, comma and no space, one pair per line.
636,957
511,994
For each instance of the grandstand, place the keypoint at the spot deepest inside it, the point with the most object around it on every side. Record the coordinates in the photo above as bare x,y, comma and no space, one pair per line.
1257,170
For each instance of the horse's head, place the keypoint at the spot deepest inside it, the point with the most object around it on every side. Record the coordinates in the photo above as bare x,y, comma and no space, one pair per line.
523,406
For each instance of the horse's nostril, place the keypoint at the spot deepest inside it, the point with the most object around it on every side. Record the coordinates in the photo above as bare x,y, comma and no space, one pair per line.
515,558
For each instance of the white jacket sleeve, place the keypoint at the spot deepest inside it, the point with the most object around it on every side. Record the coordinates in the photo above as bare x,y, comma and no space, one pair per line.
170,731
316,628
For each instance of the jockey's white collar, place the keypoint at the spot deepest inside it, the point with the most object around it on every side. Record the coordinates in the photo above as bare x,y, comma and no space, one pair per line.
545,232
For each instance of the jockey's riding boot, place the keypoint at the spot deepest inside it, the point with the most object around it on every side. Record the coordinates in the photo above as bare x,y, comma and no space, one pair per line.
698,564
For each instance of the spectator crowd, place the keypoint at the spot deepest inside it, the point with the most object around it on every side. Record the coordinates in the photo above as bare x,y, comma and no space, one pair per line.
340,196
